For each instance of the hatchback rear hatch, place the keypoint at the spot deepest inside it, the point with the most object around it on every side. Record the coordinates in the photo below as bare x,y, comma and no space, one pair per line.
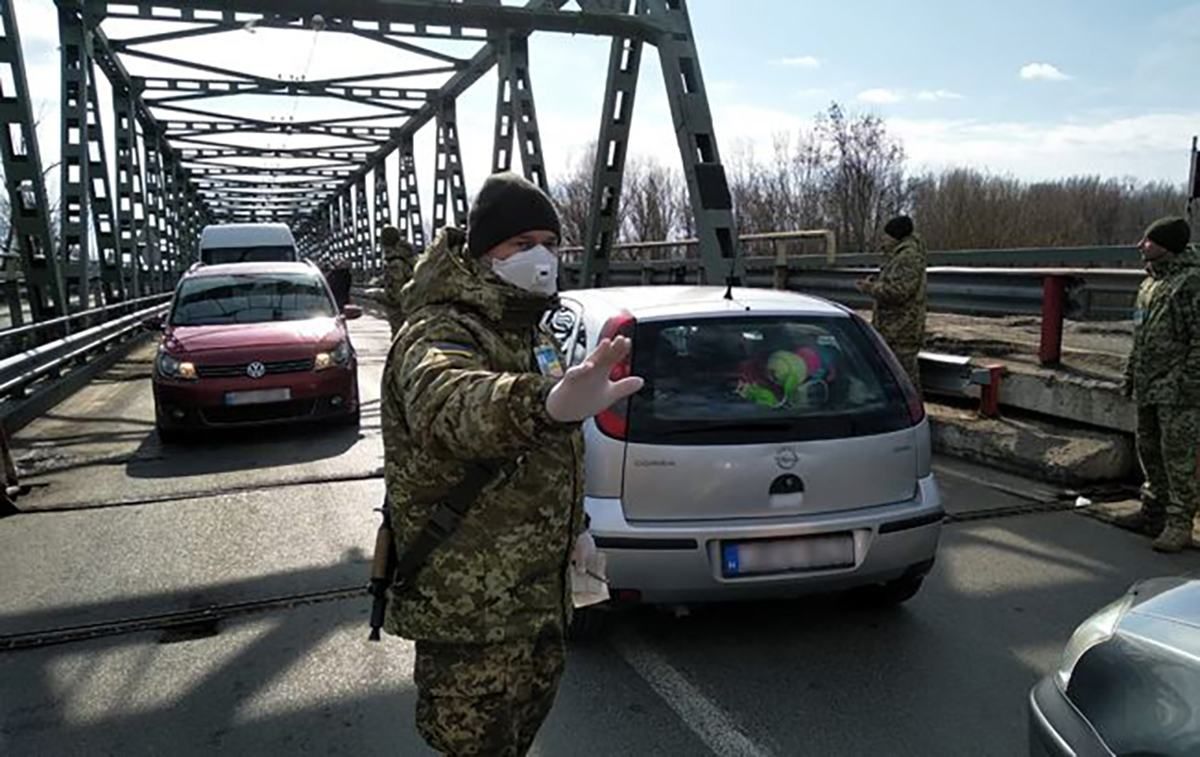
755,416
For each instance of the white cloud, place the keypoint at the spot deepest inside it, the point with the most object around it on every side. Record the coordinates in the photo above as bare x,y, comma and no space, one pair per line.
935,95
802,61
1042,72
1149,147
812,92
880,96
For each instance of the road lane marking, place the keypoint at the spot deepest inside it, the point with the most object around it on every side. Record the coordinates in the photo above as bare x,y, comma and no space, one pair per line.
701,715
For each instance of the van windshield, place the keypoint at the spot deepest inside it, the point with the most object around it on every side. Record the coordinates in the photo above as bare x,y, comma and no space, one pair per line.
760,380
259,298
263,254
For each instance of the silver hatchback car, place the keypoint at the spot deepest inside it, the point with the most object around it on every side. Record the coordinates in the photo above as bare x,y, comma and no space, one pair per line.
776,449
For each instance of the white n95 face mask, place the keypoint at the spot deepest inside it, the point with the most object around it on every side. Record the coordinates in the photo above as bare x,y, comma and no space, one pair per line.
534,270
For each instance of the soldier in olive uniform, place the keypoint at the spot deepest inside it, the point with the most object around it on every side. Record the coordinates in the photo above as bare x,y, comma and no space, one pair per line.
899,294
1163,378
473,376
397,271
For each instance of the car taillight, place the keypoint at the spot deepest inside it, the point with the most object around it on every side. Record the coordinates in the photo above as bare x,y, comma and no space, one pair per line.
614,421
912,398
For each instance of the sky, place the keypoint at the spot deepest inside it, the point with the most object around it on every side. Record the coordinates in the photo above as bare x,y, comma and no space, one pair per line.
1036,89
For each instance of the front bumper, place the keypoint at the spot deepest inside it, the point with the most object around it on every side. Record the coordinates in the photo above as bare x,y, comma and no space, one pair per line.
1057,729
201,403
671,562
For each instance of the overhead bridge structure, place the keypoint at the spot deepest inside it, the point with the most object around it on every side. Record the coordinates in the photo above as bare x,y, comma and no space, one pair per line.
200,139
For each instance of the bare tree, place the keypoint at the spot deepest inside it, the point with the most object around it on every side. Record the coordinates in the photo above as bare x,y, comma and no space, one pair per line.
864,174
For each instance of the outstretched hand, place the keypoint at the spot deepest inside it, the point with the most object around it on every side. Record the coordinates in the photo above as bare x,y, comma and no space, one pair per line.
586,390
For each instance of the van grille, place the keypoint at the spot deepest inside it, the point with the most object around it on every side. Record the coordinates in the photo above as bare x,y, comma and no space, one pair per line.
233,371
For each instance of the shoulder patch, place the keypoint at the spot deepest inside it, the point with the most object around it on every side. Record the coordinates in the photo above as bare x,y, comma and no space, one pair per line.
453,348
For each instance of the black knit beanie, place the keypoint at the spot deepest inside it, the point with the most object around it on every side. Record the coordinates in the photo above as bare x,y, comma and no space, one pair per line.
506,206
899,227
1172,233
389,236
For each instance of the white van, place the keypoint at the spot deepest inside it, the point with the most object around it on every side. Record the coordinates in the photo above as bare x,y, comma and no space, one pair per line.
247,243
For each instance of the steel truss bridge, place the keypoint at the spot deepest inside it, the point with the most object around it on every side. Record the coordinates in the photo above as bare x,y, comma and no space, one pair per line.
187,155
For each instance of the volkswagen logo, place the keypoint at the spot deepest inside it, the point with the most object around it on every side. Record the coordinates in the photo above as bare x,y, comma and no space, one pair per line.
787,458
256,370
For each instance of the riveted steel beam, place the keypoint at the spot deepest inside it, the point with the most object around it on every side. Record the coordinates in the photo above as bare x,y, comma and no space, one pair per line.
29,208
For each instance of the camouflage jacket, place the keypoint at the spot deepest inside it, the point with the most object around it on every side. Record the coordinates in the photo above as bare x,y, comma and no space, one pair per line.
462,384
397,272
899,292
1164,366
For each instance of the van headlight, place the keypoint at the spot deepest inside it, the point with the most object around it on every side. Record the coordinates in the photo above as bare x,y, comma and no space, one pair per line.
1095,630
338,356
173,368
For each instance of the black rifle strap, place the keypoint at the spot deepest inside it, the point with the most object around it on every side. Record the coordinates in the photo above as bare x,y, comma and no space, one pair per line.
446,518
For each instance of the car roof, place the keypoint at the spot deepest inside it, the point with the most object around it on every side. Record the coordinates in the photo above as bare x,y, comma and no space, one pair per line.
669,301
245,234
265,268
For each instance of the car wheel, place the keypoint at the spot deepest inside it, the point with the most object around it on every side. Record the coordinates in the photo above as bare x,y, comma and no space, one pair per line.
894,592
169,435
587,624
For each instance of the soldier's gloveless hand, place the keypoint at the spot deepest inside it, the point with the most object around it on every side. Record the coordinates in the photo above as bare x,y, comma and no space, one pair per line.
586,389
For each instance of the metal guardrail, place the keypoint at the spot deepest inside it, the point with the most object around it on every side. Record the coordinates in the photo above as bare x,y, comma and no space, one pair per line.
20,338
19,372
1090,295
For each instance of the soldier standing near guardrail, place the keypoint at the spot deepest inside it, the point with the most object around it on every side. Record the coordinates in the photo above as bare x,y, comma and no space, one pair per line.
397,271
473,383
1163,378
899,294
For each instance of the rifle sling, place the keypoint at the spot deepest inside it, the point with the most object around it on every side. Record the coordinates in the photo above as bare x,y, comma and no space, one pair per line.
445,519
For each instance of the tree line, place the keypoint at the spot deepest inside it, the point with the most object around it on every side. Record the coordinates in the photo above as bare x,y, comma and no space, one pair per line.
847,173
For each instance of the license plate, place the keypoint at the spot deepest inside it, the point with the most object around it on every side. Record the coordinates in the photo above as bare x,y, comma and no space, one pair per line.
258,396
767,556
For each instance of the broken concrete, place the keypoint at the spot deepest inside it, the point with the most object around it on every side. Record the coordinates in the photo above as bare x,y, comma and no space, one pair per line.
1070,456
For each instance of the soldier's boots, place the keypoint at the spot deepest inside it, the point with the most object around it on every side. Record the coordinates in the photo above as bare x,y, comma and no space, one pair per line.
1149,522
1176,536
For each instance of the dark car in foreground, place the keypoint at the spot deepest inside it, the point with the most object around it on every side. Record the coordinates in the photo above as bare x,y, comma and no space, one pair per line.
1129,681
250,344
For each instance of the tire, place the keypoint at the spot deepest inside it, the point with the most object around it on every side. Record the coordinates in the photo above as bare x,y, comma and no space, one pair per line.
169,435
894,592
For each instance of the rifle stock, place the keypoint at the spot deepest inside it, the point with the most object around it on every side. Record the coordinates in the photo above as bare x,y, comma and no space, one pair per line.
383,568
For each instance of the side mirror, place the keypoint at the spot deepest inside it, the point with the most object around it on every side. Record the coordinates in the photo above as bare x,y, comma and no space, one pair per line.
154,323
350,312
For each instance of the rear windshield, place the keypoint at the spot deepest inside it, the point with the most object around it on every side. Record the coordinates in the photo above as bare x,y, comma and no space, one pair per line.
220,255
207,300
761,380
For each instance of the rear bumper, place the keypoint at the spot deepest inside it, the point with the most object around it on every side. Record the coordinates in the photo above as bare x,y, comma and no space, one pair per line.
680,561
201,404
1056,729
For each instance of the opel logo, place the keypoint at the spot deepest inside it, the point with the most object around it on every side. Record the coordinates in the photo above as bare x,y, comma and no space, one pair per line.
786,458
256,370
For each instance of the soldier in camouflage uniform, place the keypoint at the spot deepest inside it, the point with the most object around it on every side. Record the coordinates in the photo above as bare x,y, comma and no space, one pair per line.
899,294
397,271
1163,378
473,376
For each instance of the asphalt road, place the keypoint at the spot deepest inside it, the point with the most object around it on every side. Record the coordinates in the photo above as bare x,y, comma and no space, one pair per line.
118,526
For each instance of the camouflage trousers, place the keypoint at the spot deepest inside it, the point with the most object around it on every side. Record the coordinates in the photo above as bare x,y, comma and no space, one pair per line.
909,361
1168,445
487,699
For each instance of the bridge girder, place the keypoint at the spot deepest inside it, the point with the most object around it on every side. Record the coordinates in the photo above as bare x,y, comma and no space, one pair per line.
129,221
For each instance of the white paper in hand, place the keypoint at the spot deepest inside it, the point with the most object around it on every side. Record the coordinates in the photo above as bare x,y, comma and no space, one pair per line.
589,582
